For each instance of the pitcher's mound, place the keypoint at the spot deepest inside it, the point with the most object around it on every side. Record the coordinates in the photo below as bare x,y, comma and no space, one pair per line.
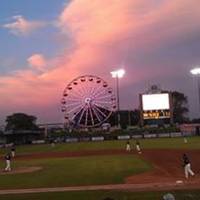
21,170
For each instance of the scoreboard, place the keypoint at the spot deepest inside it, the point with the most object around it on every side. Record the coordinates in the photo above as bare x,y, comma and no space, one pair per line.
156,106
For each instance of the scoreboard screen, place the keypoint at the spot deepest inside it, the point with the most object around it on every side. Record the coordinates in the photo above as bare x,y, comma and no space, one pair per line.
155,101
156,106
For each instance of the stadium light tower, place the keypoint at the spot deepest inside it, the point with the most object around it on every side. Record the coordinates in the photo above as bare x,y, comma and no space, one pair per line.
196,72
118,74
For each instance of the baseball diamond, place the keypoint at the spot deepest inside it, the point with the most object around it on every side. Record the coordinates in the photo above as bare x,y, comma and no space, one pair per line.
154,169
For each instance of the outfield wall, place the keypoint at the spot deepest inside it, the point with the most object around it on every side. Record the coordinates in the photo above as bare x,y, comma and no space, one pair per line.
127,137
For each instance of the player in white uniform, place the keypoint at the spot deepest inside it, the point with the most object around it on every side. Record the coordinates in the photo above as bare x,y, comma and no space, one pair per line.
128,146
185,140
8,161
13,151
187,166
138,147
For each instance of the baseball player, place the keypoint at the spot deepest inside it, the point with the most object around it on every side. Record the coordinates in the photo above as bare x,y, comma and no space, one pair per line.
138,147
8,161
13,151
128,146
52,143
187,166
185,140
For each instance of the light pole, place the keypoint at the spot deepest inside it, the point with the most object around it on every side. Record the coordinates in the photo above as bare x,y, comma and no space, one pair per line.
118,74
196,72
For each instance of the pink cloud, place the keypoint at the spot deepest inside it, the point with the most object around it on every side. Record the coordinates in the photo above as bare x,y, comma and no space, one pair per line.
23,27
37,61
108,33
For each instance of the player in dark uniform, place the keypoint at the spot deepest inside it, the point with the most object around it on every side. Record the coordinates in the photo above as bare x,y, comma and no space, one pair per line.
187,166
8,161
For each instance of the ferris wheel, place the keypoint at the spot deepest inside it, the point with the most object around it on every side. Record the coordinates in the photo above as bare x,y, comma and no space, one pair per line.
88,101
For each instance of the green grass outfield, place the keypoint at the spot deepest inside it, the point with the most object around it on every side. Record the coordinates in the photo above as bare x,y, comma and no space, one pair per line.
57,172
157,143
100,195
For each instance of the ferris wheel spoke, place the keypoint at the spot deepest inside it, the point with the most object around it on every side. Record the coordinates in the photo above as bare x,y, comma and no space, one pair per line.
103,97
85,90
93,88
99,114
102,92
72,92
101,106
81,90
103,100
96,114
75,115
81,116
77,93
89,88
97,90
73,96
97,108
86,117
103,103
91,116
73,99
72,104
86,86
75,108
